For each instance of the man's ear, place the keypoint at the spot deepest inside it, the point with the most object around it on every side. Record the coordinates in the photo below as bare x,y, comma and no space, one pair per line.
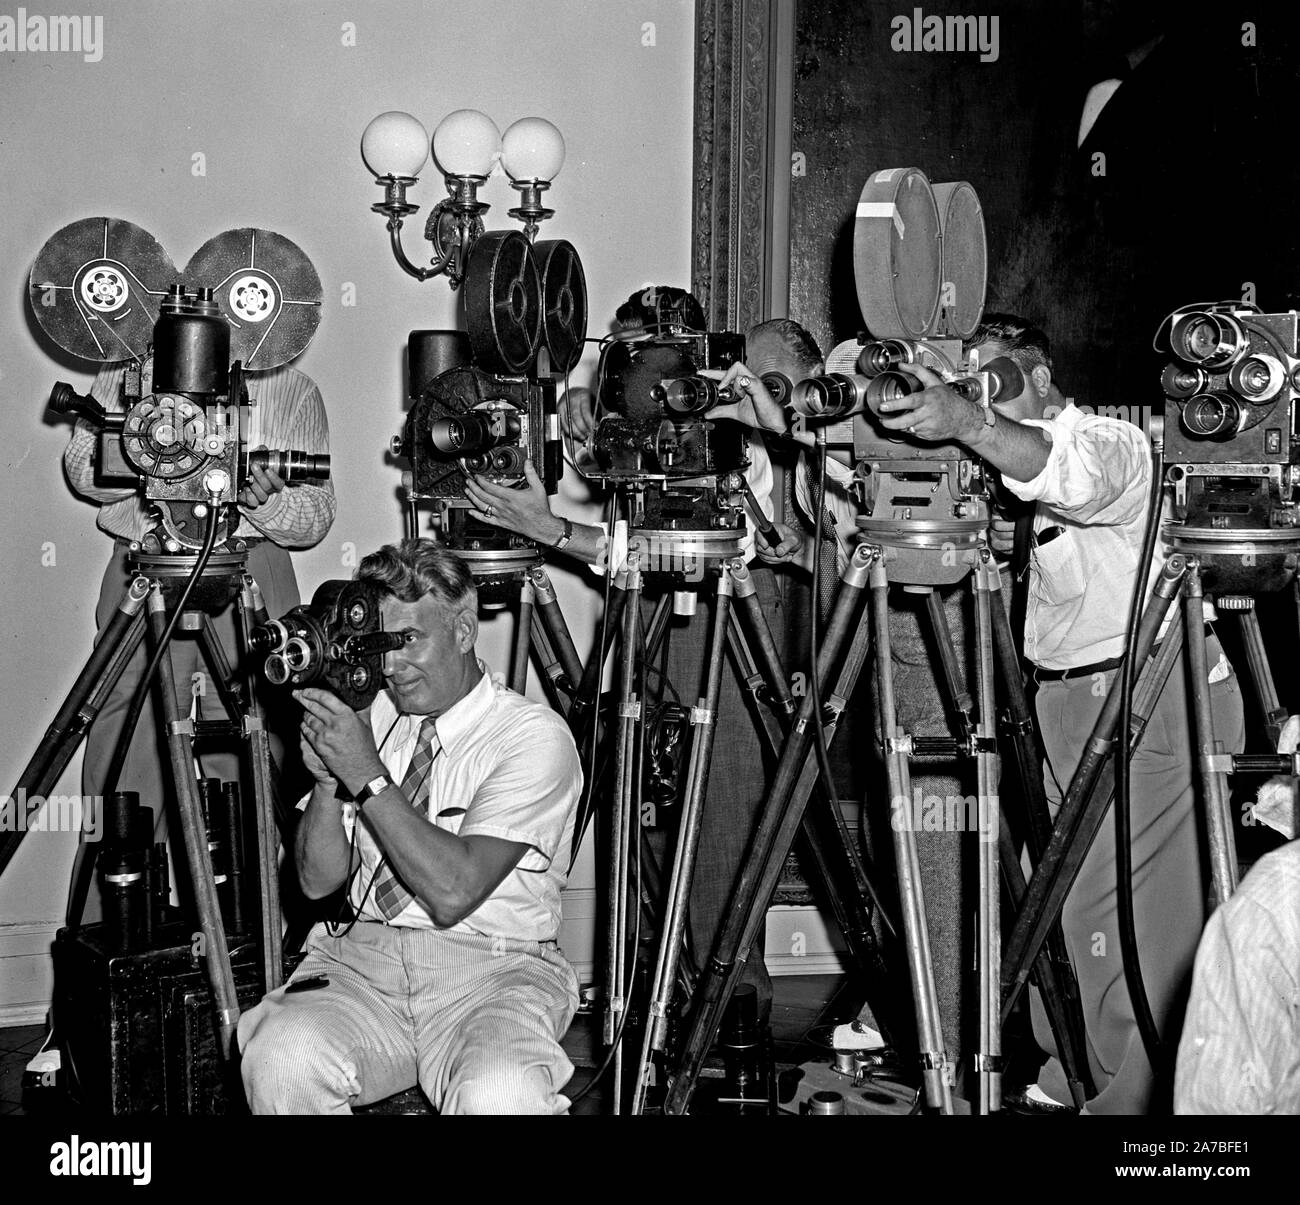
465,625
1041,376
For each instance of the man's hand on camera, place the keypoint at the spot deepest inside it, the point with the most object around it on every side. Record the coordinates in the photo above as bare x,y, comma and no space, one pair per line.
340,739
577,410
260,486
936,413
526,511
754,406
784,551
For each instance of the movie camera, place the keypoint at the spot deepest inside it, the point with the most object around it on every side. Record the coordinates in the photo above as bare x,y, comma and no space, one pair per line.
1230,446
651,434
335,642
484,400
105,291
920,268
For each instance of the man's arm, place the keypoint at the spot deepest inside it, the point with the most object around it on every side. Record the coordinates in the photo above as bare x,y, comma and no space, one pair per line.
449,874
83,448
942,416
293,418
528,512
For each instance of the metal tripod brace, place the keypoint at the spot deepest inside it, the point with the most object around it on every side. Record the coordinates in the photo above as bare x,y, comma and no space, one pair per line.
143,607
1088,797
540,628
846,645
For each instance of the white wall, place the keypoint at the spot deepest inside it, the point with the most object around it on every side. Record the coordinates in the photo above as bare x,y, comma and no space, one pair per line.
275,100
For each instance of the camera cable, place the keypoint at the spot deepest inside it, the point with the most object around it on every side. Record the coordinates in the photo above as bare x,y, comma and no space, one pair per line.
1123,813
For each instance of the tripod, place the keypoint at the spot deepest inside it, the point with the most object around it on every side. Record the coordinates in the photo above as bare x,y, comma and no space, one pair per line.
757,663
1088,797
846,646
144,612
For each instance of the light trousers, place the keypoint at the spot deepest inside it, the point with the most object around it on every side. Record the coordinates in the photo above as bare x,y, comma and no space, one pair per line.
475,1021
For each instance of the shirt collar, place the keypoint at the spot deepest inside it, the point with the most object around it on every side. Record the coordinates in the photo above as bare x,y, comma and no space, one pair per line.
462,717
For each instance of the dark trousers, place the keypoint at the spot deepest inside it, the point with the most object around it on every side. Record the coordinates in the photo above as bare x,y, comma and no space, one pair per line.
147,769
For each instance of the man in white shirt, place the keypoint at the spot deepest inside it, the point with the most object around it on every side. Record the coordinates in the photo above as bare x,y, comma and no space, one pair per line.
466,792
1091,477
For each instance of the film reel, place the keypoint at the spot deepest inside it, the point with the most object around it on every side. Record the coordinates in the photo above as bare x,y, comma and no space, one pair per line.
964,259
503,302
267,289
564,302
897,254
96,285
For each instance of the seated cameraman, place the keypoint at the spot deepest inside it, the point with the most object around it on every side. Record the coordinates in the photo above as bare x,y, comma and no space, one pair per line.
1090,478
449,976
288,413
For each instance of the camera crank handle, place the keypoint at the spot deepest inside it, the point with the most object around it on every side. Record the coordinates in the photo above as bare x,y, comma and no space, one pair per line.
66,400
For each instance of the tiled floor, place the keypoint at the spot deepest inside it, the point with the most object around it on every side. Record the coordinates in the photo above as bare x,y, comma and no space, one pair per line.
800,1003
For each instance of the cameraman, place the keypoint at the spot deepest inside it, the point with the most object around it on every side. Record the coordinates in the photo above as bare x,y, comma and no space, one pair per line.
737,783
445,810
288,413
1090,478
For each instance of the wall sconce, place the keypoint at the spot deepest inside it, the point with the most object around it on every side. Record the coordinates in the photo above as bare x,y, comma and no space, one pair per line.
466,148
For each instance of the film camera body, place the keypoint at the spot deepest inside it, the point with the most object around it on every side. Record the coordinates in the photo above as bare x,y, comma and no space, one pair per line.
1231,447
652,434
335,642
484,399
104,290
919,263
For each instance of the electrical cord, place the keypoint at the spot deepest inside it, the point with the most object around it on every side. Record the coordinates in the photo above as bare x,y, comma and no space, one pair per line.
585,808
1123,816
123,745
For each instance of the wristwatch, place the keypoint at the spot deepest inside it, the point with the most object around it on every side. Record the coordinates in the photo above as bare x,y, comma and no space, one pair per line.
565,536
375,786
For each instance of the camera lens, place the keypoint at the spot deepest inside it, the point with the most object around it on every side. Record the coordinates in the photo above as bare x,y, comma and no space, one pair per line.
835,395
876,358
1257,378
890,387
1212,414
778,385
1212,339
291,464
463,436
686,396
1179,381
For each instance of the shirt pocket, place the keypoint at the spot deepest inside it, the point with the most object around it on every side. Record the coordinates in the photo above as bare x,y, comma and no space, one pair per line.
1058,577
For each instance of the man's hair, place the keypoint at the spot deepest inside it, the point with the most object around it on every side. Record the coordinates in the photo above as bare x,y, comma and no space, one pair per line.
1025,343
798,346
657,306
410,570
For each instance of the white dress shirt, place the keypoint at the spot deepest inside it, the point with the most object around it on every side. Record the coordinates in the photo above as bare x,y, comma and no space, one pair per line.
508,769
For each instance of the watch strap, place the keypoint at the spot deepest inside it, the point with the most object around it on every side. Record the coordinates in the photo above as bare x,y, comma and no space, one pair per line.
375,786
565,536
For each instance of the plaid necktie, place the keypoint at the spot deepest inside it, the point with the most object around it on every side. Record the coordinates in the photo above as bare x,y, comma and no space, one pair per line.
391,894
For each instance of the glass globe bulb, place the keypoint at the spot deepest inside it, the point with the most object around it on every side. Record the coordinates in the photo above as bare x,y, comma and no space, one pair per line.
466,143
395,144
532,149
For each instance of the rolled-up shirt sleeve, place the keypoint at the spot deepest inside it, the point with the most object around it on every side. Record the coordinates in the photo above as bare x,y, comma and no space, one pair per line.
1098,470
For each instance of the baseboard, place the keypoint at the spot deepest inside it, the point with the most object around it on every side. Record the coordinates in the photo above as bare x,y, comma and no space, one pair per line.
26,972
